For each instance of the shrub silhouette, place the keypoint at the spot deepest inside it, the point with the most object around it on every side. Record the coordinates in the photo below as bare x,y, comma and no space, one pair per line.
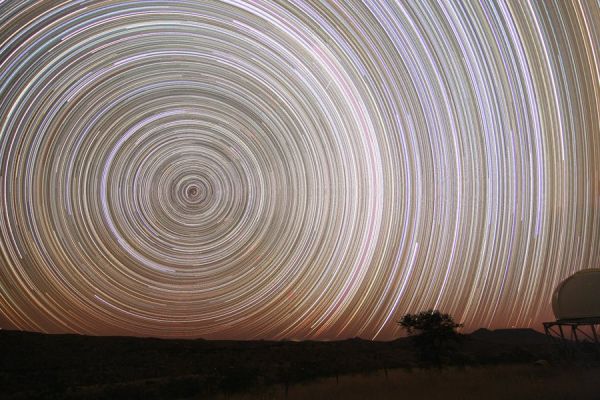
433,333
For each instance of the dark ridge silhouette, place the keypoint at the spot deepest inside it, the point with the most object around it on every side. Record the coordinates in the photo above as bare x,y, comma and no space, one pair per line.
522,336
35,365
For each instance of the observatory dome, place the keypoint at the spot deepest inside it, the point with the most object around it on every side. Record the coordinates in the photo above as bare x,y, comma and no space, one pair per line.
578,296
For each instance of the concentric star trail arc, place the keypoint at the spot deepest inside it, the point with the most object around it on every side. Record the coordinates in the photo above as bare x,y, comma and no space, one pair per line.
274,169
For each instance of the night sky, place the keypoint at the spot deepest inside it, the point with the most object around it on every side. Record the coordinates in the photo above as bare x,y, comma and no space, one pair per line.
274,169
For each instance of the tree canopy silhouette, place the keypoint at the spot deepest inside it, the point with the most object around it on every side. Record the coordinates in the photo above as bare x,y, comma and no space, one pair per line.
433,332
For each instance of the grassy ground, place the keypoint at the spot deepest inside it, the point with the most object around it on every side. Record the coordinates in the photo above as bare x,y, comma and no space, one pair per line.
498,382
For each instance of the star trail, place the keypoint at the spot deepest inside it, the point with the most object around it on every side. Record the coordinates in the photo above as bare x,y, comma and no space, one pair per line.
274,169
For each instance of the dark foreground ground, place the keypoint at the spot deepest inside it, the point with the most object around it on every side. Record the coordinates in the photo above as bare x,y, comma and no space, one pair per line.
506,363
501,382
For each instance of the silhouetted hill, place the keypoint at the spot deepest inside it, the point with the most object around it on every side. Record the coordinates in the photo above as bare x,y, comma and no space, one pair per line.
36,365
511,336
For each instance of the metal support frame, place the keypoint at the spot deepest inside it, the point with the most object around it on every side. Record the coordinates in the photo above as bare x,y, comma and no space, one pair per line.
579,330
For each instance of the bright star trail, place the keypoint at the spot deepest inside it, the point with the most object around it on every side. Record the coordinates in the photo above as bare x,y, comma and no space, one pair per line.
266,169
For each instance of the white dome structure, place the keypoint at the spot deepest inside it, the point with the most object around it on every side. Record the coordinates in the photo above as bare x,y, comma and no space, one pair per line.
578,296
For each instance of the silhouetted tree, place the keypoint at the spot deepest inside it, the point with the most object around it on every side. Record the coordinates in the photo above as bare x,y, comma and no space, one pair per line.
433,334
